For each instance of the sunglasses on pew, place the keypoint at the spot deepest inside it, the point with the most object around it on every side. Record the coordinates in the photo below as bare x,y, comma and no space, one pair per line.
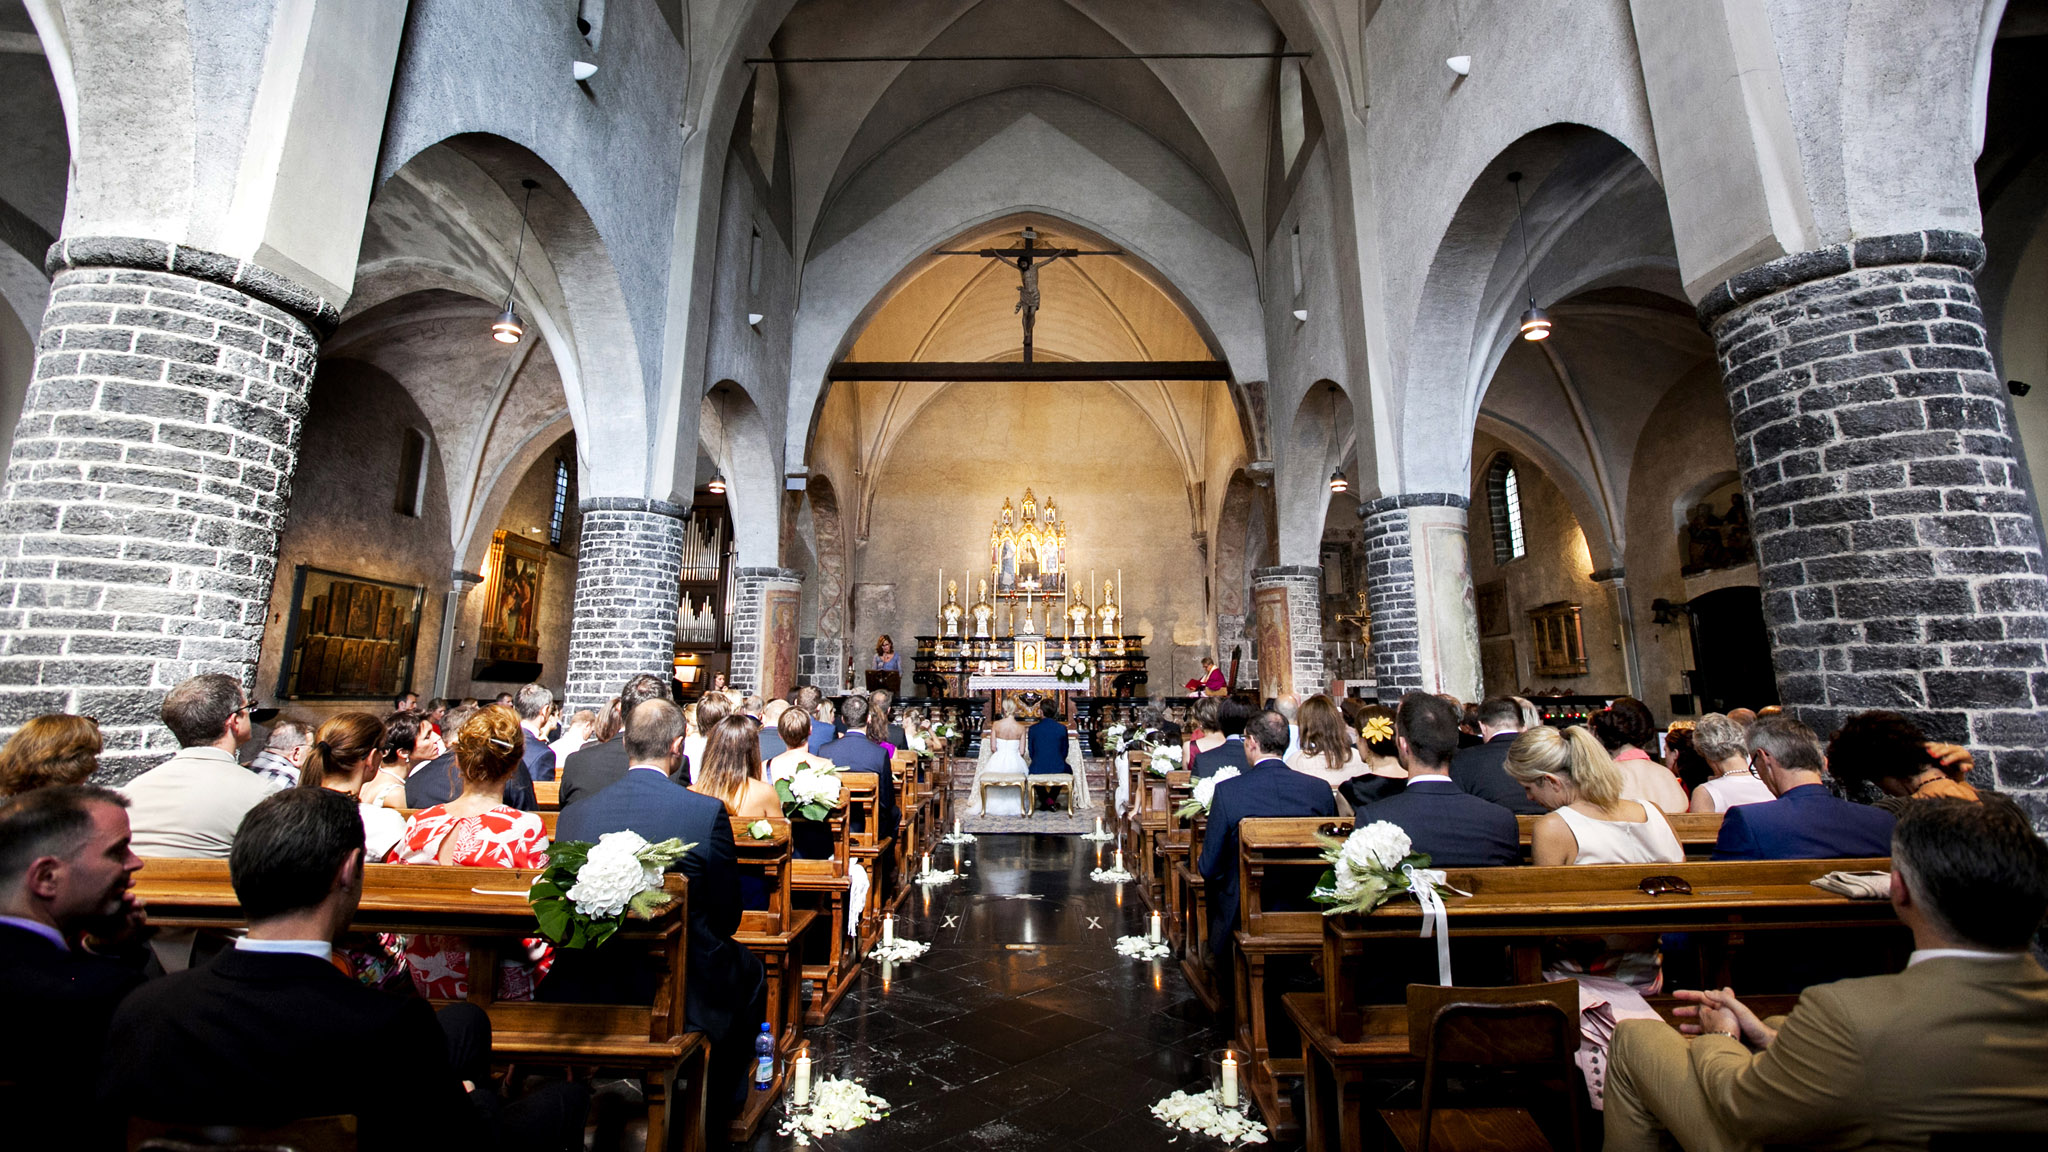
1663,885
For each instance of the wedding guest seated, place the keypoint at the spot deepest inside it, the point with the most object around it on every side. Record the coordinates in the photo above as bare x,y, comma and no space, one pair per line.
881,705
535,706
771,729
346,757
283,753
825,726
1384,775
855,752
701,717
1805,822
273,1031
580,729
479,830
1230,752
1268,788
811,840
1957,1043
50,750
1569,774
1721,743
1326,750
593,769
1205,730
726,993
1288,704
191,804
1682,758
1743,716
1624,728
1480,768
731,772
410,740
1889,751
1456,828
65,874
440,779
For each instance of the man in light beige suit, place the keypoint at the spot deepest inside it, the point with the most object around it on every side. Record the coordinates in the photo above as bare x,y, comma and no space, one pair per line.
191,804
1958,1042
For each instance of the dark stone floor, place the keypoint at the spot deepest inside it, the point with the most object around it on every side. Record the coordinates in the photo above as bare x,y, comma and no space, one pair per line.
1022,1028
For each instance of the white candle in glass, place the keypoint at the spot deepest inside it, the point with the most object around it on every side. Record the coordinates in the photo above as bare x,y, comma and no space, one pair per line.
888,929
927,864
800,1093
1229,1086
956,825
1157,929
1119,861
1098,826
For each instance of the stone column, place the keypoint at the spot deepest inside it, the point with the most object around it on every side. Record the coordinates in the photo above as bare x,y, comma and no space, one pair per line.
1894,529
1418,586
148,483
629,565
763,657
1297,591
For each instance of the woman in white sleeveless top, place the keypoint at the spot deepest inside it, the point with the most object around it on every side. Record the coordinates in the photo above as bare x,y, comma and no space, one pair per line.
1719,741
1570,773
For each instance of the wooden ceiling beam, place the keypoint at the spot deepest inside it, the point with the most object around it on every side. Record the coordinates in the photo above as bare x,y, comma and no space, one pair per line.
1015,371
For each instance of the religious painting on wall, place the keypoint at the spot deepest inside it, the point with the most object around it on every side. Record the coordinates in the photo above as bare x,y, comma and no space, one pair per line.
1491,602
350,637
1275,642
510,633
779,642
1710,539
1560,642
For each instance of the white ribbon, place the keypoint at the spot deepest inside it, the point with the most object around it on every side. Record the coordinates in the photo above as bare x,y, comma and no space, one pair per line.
1422,884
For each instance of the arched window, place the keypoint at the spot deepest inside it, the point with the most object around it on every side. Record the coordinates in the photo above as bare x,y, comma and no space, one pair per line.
561,509
1504,494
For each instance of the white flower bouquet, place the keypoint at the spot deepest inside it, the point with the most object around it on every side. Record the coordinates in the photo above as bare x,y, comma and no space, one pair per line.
1122,738
1073,670
587,890
1165,758
1370,867
1199,1113
1204,795
809,793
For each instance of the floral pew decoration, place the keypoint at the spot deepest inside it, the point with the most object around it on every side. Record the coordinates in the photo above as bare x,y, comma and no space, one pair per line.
1374,865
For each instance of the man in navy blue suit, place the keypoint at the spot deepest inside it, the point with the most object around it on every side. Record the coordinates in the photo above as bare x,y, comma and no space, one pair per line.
535,706
854,752
1231,716
596,767
1805,822
1481,769
726,994
1270,788
435,781
1045,744
1456,828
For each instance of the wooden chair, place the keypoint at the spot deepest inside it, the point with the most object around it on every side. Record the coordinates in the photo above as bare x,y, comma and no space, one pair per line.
1528,1028
316,1134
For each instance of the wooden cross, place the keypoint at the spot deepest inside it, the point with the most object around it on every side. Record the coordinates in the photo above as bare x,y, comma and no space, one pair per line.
1026,261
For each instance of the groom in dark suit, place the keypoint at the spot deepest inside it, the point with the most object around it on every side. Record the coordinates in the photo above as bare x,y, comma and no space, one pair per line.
1046,742
726,994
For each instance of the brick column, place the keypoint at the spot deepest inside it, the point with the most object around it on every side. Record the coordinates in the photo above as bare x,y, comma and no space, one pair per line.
751,631
1894,530
1301,588
1418,586
148,483
629,566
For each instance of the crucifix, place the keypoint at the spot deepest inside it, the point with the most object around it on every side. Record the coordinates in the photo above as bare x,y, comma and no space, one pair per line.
1027,261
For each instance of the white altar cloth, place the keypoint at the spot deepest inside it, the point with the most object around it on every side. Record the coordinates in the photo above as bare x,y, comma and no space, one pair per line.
998,681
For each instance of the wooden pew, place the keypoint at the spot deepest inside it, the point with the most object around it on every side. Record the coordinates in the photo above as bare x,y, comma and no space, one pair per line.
1265,937
1348,1041
775,934
1188,895
827,886
1696,832
548,793
488,907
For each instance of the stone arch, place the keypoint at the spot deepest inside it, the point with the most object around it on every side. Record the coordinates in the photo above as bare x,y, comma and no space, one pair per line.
1321,435
734,433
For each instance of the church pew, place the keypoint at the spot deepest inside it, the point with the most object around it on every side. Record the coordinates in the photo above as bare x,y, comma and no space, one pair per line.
1273,851
1159,828
826,886
1696,832
1347,1041
548,794
774,934
487,907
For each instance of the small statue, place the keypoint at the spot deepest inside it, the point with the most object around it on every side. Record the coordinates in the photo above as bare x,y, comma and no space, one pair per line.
984,615
951,613
1106,616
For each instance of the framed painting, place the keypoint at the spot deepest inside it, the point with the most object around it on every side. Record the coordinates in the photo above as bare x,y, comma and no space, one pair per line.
350,637
779,643
1491,606
511,623
1275,642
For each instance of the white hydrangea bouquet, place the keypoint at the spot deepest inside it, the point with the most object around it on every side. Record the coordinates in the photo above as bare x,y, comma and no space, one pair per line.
1122,738
1165,758
587,890
1204,795
809,793
1372,866
1073,670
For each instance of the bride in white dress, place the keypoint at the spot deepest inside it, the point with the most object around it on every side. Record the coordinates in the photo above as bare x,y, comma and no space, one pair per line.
1002,755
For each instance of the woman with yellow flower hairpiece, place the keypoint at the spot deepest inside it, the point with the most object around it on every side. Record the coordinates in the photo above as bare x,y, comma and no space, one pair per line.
1328,749
1383,775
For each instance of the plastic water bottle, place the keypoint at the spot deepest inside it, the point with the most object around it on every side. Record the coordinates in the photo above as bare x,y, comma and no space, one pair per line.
764,1059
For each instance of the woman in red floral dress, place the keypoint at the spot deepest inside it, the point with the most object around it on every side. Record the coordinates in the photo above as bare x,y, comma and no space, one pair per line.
479,830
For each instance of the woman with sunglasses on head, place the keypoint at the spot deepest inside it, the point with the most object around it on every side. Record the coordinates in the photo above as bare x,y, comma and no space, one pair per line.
480,830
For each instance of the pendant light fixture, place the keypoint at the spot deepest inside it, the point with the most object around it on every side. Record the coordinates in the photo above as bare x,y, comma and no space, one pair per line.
1339,482
506,329
1535,322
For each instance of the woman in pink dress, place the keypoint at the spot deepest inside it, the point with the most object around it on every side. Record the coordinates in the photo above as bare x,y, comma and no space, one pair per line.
476,829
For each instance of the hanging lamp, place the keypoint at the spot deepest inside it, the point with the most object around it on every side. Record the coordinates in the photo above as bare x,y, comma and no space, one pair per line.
1339,482
507,329
717,485
1535,321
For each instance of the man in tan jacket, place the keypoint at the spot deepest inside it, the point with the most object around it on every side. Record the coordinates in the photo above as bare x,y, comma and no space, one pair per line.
1958,1042
191,804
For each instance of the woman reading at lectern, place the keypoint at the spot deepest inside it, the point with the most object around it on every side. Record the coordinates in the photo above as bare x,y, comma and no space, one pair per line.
885,656
1211,680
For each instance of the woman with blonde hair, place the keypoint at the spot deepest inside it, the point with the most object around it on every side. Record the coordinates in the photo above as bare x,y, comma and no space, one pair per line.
731,771
1570,773
1327,750
52,749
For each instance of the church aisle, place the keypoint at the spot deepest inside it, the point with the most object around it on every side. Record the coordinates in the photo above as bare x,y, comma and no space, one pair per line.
1022,1028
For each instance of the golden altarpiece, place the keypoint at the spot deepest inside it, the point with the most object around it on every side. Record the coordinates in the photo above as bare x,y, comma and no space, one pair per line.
1025,614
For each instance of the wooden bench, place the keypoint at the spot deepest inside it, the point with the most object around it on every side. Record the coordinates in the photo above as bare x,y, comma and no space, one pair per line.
487,907
1271,851
548,794
775,934
826,885
1696,832
1348,1041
